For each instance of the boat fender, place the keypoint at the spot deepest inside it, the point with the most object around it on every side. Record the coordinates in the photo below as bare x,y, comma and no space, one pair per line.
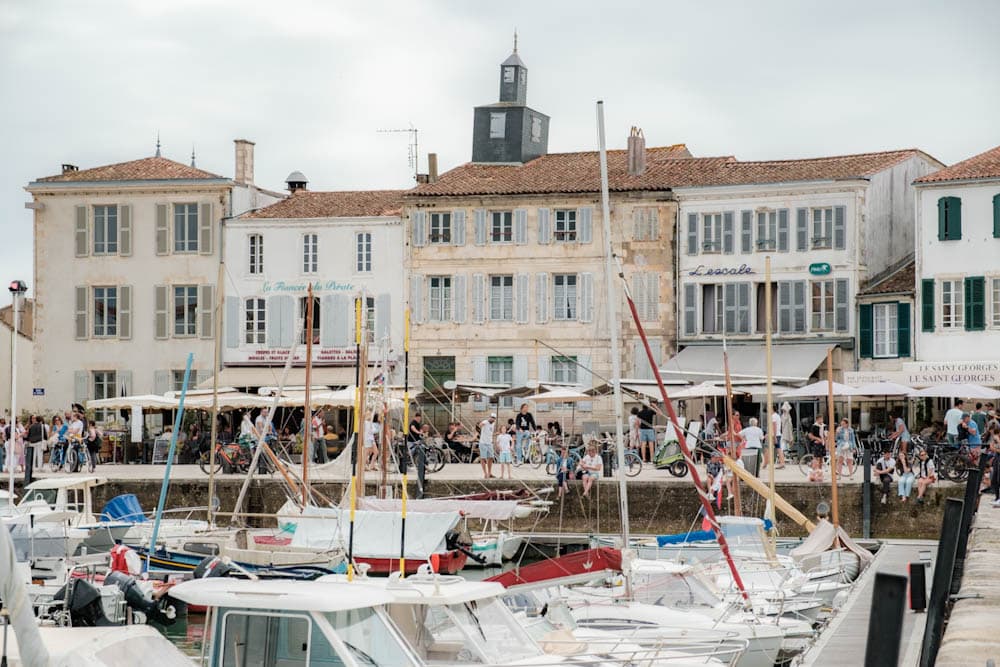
435,562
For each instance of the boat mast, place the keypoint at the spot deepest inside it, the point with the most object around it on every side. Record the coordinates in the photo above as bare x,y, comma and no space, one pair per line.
613,324
830,443
406,430
770,396
307,435
217,352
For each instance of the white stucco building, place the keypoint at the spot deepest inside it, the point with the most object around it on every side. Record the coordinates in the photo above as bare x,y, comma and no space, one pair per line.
24,354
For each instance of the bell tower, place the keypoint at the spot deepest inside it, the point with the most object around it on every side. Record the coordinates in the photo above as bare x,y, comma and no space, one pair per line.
514,78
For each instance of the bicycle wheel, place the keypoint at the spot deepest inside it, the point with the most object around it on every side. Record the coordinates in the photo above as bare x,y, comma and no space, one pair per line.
957,468
535,457
633,464
678,468
203,463
434,461
805,464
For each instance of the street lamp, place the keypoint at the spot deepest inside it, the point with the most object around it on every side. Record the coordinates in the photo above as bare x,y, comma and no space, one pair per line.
17,289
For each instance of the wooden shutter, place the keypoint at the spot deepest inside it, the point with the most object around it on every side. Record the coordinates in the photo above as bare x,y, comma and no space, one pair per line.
784,307
638,225
746,231
840,304
586,297
839,227
162,230
273,321
458,297
692,234
653,215
161,382
82,306
690,310
478,298
866,330
927,304
206,311
799,306
541,298
161,308
639,293
458,227
641,369
125,383
418,234
903,329
480,225
233,321
124,312
521,300
416,299
81,386
949,219
125,230
82,232
653,296
585,220
544,226
782,230
728,242
975,303
802,229
520,226
480,374
383,317
206,229
996,216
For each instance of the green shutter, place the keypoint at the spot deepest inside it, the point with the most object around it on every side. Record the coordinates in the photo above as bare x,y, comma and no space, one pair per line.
975,303
942,219
903,329
867,333
996,216
927,305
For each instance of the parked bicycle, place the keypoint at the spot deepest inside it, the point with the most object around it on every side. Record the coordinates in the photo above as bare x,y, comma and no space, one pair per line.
233,457
76,456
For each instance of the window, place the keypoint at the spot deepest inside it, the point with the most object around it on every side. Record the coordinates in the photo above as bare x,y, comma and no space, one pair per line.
508,75
762,307
369,319
185,228
500,370
501,298
885,330
105,311
822,305
440,228
645,223
105,386
105,230
767,230
498,123
364,254
564,369
995,300
536,129
254,331
949,219
303,305
439,298
501,226
185,310
565,229
255,246
437,371
952,305
564,296
822,219
310,253
711,224
177,380
711,309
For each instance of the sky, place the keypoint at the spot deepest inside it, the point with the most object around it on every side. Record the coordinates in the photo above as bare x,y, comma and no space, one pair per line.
313,81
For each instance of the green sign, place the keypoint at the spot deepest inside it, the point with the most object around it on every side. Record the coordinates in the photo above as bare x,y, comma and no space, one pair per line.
819,269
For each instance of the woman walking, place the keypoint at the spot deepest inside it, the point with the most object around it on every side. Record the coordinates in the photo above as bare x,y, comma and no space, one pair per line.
93,442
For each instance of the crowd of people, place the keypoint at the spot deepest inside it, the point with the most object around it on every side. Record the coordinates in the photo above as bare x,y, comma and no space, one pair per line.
25,443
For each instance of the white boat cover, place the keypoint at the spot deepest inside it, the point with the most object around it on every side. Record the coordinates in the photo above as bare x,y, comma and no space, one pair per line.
500,510
376,534
823,538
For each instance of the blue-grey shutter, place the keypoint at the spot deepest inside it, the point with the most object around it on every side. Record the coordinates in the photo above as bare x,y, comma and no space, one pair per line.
341,323
161,310
586,297
652,296
458,227
418,233
479,376
520,226
544,226
162,382
743,307
206,229
82,295
840,304
544,368
82,232
124,312
81,386
541,298
480,225
521,299
162,230
125,230
839,227
328,316
585,217
383,317
799,306
416,299
520,370
478,298
746,231
206,311
584,378
692,234
640,362
233,321
690,310
728,241
782,230
287,325
458,297
729,308
801,229
784,307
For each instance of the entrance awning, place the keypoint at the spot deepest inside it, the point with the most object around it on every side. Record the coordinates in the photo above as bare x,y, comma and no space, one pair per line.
793,363
270,376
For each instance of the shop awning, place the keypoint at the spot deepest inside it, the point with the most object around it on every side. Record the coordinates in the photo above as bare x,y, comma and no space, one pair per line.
270,376
793,363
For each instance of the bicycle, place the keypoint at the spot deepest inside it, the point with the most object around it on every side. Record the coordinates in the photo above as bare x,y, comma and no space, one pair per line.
857,456
77,455
58,456
232,457
955,466
534,453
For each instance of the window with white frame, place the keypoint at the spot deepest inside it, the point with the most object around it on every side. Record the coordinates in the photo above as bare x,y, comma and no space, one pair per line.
105,386
501,226
440,228
498,124
254,328
767,230
255,250
500,370
310,253
439,298
363,244
564,296
822,305
885,330
995,301
105,311
303,313
952,304
563,369
105,230
711,227
565,226
185,228
185,310
370,318
712,309
501,298
822,220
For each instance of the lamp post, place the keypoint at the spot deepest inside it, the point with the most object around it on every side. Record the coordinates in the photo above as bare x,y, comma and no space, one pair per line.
17,289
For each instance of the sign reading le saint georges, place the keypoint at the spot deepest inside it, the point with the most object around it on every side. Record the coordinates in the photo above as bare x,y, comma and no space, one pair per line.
318,286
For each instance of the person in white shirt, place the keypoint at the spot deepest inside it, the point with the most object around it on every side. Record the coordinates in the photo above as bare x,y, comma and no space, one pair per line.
246,426
259,426
926,474
590,467
776,435
752,437
371,445
505,444
952,419
486,445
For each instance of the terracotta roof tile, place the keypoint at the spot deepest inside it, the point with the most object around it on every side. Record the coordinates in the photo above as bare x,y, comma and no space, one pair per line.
146,169
984,165
899,281
343,204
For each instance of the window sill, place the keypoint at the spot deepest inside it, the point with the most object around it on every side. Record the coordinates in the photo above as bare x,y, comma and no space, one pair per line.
113,336
184,252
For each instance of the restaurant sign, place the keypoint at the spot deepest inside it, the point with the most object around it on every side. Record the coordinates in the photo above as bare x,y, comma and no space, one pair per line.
820,269
702,270
266,356
928,373
318,286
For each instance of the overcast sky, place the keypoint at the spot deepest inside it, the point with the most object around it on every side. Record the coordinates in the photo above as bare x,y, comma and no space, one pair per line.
312,81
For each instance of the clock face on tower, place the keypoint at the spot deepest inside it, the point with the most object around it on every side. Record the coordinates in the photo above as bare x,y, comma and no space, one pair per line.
508,75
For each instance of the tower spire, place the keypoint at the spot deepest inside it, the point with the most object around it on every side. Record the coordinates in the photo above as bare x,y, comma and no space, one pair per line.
515,40
157,143
192,155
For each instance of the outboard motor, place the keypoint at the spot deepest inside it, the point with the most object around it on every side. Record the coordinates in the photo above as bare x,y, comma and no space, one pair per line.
213,566
137,599
456,540
84,603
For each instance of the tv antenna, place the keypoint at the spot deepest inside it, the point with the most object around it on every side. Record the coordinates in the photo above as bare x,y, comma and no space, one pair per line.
411,149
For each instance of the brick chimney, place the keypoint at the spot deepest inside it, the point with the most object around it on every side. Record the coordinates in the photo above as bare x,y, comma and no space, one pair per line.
244,161
636,152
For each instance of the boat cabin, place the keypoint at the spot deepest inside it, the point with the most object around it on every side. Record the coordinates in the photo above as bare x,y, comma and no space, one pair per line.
61,494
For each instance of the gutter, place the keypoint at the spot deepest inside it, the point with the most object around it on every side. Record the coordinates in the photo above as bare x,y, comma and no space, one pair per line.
42,186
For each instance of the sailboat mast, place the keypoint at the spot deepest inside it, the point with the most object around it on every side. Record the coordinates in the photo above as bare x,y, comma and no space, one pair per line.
770,396
307,435
831,447
613,324
217,352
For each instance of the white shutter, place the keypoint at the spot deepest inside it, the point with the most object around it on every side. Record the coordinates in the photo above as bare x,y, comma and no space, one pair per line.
746,231
653,218
162,382
652,296
783,230
206,229
81,386
840,227
383,315
585,378
458,227
743,307
458,297
480,226
82,232
161,311
416,299
273,321
541,298
287,326
586,297
479,375
206,311
728,233
125,230
329,312
520,226
82,306
784,307
585,220
692,234
162,230
799,305
544,226
478,298
417,223
232,321
124,312
801,229
520,370
639,293
342,325
640,362
840,304
522,300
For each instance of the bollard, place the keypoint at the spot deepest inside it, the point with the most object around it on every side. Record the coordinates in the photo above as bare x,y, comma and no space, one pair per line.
944,564
968,509
918,586
607,462
866,497
885,624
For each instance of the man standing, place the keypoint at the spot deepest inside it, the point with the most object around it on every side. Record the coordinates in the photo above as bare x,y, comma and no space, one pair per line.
524,422
36,435
318,432
952,419
415,448
647,434
776,434
901,432
817,438
979,416
486,445
752,437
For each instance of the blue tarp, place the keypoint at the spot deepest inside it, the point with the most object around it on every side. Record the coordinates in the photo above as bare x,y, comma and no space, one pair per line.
696,536
125,507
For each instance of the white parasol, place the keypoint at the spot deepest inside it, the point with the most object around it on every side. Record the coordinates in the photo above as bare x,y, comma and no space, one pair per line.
956,391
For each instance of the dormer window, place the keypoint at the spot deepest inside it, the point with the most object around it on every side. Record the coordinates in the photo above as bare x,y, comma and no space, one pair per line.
498,125
508,75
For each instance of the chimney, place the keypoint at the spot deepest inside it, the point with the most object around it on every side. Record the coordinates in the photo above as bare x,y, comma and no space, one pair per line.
244,161
636,152
69,168
432,167
296,181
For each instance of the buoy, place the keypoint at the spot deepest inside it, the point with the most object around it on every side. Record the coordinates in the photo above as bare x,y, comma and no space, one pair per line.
436,562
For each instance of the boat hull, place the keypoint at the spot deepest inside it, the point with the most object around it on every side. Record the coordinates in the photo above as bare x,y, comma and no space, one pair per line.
448,562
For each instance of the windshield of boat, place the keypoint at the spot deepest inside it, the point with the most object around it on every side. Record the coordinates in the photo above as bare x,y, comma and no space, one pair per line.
47,496
370,637
541,610
671,589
